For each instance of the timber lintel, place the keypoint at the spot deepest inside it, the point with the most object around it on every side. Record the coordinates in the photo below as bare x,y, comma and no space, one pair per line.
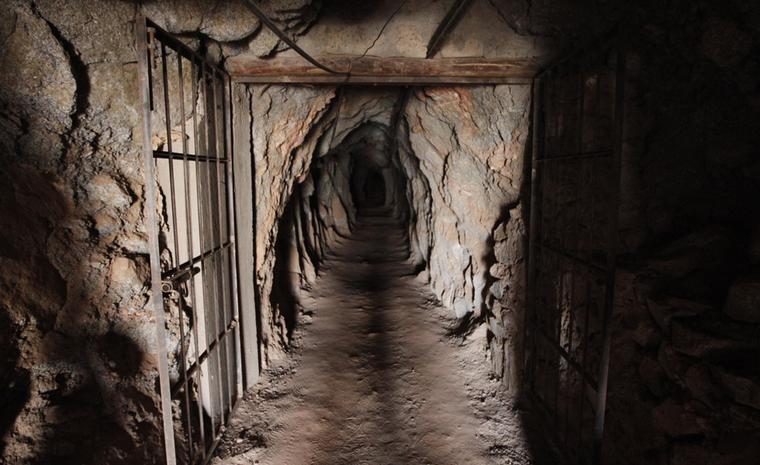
383,71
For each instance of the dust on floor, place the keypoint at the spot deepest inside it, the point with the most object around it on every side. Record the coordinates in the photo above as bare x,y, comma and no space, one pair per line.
377,377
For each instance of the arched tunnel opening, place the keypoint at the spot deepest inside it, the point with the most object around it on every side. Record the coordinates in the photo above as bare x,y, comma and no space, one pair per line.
294,232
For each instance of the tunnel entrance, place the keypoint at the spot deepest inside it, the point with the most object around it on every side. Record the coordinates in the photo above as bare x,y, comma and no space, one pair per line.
362,200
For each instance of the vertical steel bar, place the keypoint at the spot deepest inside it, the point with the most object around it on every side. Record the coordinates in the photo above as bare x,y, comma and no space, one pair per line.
232,230
190,244
556,226
530,307
612,233
540,255
589,186
577,223
156,298
175,236
208,216
202,229
219,139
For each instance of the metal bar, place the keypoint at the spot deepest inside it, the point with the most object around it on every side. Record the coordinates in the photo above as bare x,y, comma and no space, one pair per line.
203,213
578,155
577,218
165,155
549,339
591,265
599,44
556,317
587,309
584,186
177,45
168,274
218,437
444,27
175,236
208,215
205,354
543,180
612,234
284,37
190,244
232,230
220,224
548,220
156,300
530,298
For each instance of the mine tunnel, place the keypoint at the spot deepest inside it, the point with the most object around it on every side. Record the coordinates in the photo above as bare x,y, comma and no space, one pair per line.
439,232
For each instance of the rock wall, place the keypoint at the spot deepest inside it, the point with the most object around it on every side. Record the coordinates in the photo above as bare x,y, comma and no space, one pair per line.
470,145
685,378
458,185
286,124
78,378
76,372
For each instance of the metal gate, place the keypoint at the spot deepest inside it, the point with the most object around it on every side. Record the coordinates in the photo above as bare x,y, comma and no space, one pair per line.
189,213
577,131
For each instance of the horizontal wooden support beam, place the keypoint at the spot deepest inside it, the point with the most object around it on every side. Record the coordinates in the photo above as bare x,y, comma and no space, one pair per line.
383,71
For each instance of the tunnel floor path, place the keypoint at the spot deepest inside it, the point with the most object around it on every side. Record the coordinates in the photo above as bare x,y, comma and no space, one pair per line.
377,379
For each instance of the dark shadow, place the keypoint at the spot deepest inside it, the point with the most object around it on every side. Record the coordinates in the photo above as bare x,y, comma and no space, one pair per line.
374,189
67,398
15,381
121,353
284,284
377,260
368,185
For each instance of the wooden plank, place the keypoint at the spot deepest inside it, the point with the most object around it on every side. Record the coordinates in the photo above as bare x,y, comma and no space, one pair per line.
383,71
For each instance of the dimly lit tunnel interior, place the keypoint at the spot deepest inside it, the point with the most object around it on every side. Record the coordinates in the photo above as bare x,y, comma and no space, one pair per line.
408,232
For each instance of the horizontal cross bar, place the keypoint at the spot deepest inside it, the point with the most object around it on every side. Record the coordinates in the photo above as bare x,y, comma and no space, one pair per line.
383,71
163,155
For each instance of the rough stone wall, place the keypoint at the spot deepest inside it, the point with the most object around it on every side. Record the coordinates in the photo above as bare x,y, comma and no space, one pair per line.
77,375
76,333
470,143
685,378
306,169
286,125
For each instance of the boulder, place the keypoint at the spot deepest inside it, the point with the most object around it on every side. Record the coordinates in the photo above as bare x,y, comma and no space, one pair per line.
743,302
743,390
665,310
678,420
754,242
652,376
711,337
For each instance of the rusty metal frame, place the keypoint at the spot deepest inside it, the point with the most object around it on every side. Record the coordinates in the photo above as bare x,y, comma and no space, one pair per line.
215,363
572,243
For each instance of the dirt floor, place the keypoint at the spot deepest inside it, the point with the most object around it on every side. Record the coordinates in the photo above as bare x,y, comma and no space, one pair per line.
378,378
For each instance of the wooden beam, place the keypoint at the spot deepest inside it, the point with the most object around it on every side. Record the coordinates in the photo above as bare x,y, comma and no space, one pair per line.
383,71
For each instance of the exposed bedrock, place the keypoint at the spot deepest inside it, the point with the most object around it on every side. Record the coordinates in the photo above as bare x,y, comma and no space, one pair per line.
457,188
